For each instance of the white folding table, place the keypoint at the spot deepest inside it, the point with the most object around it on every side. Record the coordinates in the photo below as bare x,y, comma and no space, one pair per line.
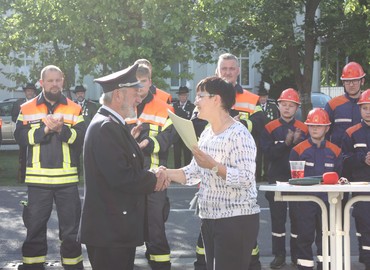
337,233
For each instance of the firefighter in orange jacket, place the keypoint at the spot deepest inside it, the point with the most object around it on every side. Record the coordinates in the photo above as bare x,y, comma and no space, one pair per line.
155,140
52,128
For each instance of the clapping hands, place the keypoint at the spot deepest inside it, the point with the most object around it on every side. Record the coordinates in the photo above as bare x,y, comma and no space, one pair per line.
293,137
367,158
53,123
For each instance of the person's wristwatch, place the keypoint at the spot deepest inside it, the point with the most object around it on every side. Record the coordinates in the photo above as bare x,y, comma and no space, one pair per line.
215,169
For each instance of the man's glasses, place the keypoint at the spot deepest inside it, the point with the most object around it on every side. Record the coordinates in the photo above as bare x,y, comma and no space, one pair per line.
200,96
353,82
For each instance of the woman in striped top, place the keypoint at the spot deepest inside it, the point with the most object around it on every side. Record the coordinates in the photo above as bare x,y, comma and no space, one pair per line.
224,164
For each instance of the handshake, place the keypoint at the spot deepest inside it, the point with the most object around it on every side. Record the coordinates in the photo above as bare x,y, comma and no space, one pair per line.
162,179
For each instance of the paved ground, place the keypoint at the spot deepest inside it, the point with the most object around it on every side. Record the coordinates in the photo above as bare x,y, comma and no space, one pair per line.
182,225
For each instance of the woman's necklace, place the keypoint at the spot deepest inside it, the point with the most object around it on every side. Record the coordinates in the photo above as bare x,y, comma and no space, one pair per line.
226,124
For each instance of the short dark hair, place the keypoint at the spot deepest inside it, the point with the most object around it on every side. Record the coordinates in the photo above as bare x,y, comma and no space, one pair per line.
217,86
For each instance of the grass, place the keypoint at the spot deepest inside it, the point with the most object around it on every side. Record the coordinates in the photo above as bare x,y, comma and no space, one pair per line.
9,167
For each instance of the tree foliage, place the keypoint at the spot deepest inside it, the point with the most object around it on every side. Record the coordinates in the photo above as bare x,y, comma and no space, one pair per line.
99,37
286,32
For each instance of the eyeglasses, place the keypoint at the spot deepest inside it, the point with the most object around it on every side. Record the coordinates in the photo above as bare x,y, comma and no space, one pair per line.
200,96
349,82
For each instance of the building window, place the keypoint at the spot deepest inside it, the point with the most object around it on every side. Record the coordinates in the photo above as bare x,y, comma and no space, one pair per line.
244,80
25,64
178,69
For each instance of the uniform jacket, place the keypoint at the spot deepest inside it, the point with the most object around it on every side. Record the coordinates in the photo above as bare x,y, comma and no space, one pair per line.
183,111
343,113
115,185
157,128
16,108
356,144
270,110
51,159
319,160
162,95
251,115
89,109
274,147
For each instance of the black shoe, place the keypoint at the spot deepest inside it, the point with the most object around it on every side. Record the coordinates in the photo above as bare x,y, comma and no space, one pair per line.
31,267
278,262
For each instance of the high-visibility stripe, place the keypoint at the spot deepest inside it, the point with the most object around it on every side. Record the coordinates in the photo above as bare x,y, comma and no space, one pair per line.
34,117
246,101
255,251
329,165
343,120
52,172
276,142
160,258
154,157
366,247
244,105
293,235
66,156
278,234
40,179
249,125
157,147
200,250
36,156
243,116
360,145
167,124
31,136
320,258
306,263
72,261
310,164
73,136
33,260
153,119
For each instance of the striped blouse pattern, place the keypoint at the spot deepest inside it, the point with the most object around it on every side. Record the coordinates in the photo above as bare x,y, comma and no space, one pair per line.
237,195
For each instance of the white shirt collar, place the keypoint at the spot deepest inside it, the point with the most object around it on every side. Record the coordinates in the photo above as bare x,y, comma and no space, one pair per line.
114,113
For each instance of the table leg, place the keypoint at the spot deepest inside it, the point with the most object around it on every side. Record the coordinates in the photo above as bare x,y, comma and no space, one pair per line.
324,215
346,228
336,232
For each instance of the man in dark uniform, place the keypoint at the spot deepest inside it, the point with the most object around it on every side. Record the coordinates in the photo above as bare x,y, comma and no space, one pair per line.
89,108
271,112
183,108
112,222
30,92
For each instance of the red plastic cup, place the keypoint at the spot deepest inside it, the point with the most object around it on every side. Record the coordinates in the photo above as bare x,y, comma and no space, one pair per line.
330,178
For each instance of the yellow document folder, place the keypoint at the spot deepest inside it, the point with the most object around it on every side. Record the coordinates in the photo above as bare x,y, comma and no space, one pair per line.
185,129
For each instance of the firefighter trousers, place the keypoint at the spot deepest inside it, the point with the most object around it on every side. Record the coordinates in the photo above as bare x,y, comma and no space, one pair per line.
36,214
279,211
158,250
362,222
309,229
